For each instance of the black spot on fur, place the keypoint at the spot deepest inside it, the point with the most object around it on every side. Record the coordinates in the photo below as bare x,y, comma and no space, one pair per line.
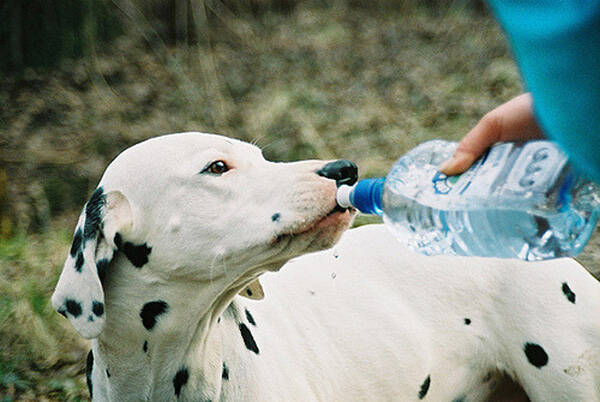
276,217
231,312
79,262
248,338
248,292
424,387
89,365
225,372
118,240
76,242
145,347
568,292
73,307
536,355
180,379
102,266
107,373
150,312
98,308
467,321
93,213
136,254
250,318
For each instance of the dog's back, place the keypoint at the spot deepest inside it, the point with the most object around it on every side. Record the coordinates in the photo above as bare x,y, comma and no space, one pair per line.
378,321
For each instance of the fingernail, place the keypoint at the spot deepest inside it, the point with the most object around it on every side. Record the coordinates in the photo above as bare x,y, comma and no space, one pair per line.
448,163
458,163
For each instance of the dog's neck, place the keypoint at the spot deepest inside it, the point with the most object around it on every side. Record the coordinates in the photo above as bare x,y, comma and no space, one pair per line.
155,340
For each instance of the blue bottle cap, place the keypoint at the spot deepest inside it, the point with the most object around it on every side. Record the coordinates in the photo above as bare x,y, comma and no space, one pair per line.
367,195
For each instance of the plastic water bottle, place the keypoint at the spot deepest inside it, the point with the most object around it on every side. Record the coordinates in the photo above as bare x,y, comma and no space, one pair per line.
520,200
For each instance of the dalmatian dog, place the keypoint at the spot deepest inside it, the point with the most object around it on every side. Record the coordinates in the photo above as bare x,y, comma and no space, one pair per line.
175,274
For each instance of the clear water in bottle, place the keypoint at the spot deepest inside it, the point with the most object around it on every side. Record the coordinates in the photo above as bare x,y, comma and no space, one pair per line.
518,201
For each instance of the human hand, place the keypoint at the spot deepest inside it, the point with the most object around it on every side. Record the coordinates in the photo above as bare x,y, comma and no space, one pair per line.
511,121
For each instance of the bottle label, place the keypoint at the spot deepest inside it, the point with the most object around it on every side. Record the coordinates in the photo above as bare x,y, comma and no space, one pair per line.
479,179
510,169
536,168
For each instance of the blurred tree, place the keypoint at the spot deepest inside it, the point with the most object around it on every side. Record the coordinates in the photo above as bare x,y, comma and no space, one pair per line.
5,223
41,33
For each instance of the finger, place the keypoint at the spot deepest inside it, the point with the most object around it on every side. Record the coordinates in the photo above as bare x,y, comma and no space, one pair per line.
458,163
472,146
515,121
512,121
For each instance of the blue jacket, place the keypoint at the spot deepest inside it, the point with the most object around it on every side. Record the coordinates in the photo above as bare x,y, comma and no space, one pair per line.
557,47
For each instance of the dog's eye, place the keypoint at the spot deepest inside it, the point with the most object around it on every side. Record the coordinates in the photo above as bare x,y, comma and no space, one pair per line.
218,167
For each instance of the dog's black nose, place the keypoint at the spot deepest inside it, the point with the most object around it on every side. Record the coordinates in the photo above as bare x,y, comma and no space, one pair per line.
342,171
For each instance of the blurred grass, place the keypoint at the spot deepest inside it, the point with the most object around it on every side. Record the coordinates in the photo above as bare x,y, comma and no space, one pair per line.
40,356
316,80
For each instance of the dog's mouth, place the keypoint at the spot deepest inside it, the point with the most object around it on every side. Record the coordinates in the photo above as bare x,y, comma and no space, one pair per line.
337,209
332,218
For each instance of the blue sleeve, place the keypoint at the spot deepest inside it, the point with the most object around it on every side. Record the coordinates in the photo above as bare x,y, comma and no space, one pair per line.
557,48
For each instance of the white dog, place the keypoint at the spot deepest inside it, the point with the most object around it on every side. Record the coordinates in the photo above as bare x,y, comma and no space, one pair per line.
181,224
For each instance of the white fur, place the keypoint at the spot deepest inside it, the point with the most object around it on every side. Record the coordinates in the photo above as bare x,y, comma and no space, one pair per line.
364,320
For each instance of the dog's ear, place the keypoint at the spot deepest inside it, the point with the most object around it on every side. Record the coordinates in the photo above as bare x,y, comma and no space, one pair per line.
79,295
253,291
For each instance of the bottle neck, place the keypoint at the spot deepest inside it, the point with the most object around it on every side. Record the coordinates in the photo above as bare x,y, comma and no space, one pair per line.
367,195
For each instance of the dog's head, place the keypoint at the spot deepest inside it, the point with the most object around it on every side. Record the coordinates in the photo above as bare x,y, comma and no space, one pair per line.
198,207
